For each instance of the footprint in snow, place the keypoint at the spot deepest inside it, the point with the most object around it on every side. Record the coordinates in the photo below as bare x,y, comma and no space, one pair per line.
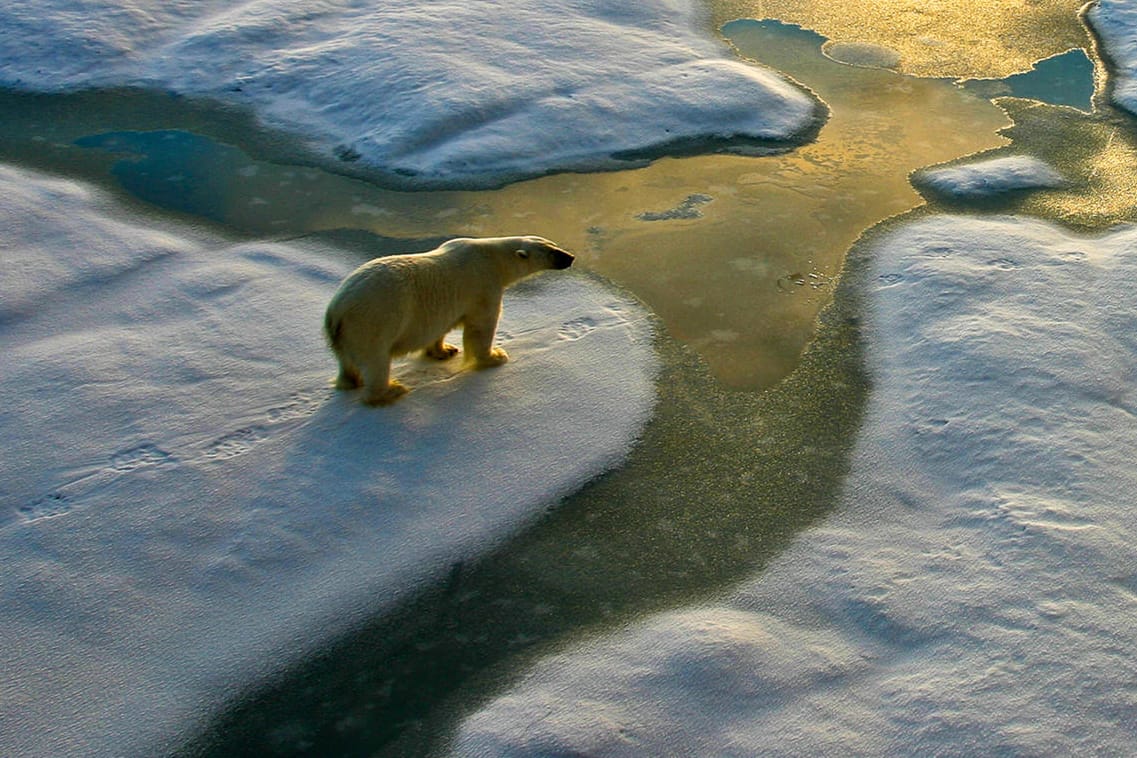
235,443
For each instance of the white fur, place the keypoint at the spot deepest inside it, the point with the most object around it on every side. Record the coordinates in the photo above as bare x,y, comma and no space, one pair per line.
398,304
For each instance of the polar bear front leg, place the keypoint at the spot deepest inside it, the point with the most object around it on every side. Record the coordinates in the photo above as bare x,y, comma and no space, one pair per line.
477,340
379,388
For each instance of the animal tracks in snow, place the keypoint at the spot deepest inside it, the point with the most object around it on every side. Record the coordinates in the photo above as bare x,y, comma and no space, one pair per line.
577,328
299,405
65,498
150,457
611,314
139,457
234,443
54,504
251,430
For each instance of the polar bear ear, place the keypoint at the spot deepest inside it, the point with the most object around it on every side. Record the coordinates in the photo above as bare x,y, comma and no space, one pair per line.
522,253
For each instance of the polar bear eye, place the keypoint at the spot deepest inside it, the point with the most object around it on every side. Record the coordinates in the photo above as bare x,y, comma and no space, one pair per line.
522,253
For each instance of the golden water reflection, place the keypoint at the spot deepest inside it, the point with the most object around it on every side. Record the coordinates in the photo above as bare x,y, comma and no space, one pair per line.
746,249
952,38
736,254
1097,155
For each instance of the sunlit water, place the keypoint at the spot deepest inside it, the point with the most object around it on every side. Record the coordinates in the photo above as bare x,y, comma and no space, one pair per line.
952,38
746,300
736,255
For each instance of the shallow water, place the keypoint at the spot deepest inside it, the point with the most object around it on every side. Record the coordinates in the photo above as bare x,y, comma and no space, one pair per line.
737,255
1064,79
940,38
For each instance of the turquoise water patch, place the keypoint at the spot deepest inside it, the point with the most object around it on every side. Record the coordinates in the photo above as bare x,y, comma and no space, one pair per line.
1064,79
172,168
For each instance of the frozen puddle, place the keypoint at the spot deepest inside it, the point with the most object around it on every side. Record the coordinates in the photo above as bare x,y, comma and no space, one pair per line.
975,593
188,507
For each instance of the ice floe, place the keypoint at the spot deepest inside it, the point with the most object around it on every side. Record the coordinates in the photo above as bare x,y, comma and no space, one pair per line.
467,93
975,592
987,178
1115,22
189,506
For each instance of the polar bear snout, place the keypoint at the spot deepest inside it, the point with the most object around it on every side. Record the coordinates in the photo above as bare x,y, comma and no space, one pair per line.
541,254
562,258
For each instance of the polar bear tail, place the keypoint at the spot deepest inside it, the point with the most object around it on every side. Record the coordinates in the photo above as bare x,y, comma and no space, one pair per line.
333,330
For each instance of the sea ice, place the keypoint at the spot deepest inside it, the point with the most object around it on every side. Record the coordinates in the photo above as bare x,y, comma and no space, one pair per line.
987,178
469,93
189,506
1115,22
975,593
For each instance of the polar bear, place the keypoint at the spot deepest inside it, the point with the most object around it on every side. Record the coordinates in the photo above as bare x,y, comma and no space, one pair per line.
398,304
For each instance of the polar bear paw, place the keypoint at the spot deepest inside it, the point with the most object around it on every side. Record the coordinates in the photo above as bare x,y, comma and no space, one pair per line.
496,357
441,351
387,395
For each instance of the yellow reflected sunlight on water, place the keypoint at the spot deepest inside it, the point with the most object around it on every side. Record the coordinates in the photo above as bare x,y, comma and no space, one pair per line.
736,254
954,38
742,277
1096,155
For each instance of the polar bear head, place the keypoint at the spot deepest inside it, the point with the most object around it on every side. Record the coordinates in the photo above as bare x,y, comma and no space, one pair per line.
538,253
516,257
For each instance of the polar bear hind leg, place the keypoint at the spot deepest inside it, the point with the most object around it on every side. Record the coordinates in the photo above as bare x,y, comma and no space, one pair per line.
348,378
441,350
379,388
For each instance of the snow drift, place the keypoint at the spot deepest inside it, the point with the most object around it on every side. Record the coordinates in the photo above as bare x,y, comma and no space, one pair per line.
471,93
1115,22
975,592
188,506
989,177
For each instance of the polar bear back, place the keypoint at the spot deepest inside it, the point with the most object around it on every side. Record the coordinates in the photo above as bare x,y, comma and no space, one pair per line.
412,299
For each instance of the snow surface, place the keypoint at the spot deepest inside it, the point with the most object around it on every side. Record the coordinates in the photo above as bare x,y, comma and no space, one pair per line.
449,93
987,178
975,593
189,506
1115,22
